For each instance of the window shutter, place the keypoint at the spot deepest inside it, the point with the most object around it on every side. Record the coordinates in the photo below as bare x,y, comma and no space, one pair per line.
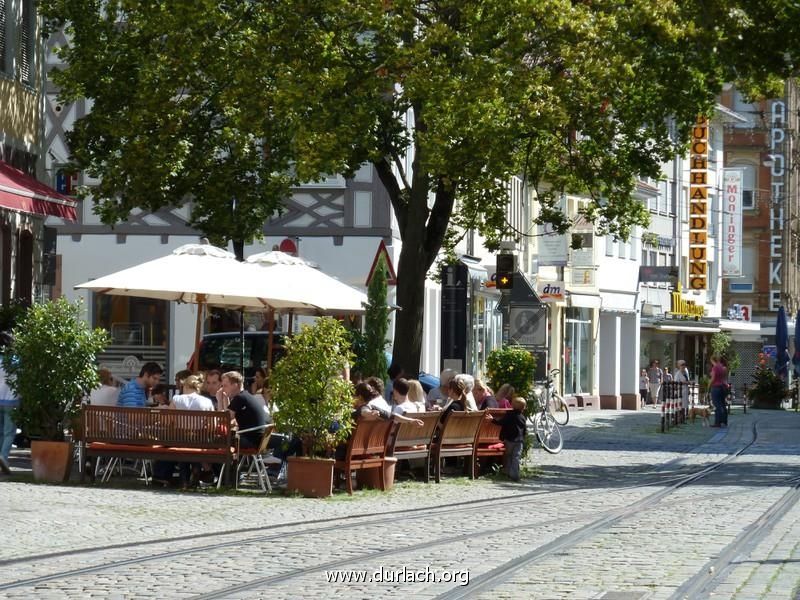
26,41
2,35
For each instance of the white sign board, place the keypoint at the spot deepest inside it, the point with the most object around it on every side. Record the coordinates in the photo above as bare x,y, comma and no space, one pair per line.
550,291
553,247
732,181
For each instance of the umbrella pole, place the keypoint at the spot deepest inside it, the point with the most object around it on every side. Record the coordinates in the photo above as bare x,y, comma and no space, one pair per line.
271,317
241,339
197,329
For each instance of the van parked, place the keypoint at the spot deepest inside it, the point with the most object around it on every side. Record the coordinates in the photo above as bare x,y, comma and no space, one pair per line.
222,351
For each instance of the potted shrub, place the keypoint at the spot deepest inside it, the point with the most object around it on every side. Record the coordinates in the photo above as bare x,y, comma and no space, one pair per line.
768,390
511,364
314,402
51,367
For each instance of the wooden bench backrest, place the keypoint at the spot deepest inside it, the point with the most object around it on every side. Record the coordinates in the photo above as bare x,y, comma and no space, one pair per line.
490,431
156,427
409,434
369,438
461,428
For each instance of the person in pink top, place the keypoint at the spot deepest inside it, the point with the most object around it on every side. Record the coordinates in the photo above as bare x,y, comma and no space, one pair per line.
719,390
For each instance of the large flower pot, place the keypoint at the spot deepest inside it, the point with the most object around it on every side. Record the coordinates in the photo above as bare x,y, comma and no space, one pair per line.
52,461
312,477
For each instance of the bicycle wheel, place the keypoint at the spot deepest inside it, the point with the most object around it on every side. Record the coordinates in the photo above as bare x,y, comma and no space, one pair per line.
548,432
559,409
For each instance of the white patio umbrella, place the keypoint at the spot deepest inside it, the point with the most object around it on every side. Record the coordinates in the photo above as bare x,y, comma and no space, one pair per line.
308,284
199,274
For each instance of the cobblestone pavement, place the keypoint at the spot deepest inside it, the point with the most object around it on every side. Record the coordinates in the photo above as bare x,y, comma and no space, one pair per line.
602,519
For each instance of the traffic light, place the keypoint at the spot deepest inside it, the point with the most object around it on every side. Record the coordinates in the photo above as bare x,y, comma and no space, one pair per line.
504,273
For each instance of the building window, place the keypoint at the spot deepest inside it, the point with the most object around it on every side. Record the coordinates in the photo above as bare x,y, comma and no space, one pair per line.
609,245
132,321
748,185
578,351
362,209
623,247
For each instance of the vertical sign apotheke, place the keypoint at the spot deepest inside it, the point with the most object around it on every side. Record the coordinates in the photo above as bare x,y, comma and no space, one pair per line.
732,222
777,137
698,206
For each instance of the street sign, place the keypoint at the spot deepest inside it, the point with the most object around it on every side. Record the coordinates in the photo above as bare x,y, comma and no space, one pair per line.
528,325
391,278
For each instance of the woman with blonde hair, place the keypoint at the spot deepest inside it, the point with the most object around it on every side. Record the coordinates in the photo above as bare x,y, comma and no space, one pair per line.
190,398
504,395
416,394
483,395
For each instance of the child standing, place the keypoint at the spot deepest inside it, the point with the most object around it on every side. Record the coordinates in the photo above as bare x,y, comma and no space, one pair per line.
512,434
644,386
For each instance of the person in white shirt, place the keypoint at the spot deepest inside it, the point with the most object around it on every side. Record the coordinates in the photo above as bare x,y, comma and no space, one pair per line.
682,376
469,383
107,393
402,405
438,395
416,394
191,399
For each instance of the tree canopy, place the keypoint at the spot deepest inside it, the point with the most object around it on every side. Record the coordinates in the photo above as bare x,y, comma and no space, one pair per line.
448,99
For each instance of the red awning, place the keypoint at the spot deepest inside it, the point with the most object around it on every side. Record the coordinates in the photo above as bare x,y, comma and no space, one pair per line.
19,191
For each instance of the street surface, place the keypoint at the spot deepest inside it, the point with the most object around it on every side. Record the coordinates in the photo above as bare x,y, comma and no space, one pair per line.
624,512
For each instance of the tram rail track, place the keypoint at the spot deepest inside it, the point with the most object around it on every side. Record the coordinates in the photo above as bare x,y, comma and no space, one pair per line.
338,523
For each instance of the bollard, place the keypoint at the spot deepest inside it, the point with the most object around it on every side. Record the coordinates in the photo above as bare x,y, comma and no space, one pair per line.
663,416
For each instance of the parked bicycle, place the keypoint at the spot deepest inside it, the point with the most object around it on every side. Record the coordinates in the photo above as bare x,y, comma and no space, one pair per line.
552,411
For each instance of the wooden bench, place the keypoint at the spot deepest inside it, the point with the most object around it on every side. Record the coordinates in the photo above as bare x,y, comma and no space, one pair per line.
458,437
411,441
366,449
489,444
156,434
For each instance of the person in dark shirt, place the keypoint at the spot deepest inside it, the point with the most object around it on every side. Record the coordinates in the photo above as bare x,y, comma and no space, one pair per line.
244,407
512,433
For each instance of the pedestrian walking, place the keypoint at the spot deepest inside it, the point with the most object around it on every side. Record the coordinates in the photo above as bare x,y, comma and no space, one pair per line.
719,390
682,377
656,376
8,402
644,385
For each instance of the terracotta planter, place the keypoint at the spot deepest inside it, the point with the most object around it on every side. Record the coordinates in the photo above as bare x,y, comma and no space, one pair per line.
312,477
52,461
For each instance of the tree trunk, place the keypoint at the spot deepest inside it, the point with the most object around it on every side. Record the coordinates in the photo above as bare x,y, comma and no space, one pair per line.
411,272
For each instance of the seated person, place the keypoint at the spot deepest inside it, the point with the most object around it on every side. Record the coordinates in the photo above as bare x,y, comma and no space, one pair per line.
483,395
190,398
402,405
134,393
469,382
245,409
416,395
456,391
211,385
107,393
159,396
362,410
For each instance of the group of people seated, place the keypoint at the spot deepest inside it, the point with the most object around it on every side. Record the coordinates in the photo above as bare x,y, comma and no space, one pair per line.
251,408
207,391
402,398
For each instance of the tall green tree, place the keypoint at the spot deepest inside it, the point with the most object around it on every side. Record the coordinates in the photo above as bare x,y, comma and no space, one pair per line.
376,323
447,99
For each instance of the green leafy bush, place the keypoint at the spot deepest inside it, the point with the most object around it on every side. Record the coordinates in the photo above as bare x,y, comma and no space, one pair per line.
51,365
768,390
511,364
308,387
